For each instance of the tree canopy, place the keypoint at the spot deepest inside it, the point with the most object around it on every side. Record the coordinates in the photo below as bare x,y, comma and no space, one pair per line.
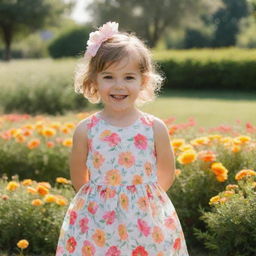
23,16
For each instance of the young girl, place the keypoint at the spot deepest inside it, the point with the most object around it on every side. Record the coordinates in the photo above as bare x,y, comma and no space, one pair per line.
121,161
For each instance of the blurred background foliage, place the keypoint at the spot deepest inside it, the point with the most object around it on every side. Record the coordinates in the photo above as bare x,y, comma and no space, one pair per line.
163,24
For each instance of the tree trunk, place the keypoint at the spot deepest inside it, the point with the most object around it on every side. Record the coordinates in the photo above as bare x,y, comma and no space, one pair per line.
7,38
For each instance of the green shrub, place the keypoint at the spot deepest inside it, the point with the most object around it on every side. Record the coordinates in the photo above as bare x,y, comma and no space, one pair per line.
71,43
39,225
231,222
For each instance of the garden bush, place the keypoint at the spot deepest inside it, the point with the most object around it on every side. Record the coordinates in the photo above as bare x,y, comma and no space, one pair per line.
32,211
231,221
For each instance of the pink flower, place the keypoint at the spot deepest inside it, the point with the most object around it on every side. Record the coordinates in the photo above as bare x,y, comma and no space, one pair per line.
132,188
109,217
113,139
73,216
94,120
83,224
113,251
143,227
98,37
140,141
92,207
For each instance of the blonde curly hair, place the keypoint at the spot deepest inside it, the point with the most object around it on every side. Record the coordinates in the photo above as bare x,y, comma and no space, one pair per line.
110,52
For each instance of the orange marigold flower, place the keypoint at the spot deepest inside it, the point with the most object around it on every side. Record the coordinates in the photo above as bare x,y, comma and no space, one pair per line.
220,171
50,144
231,187
42,190
177,172
67,142
207,156
31,190
49,198
12,185
61,200
235,148
33,143
20,138
70,125
48,132
37,202
244,173
65,130
62,180
5,197
27,182
23,244
228,193
186,147
45,184
187,157
55,125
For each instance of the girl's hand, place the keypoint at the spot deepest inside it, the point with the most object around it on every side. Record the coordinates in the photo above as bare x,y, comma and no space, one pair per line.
164,155
77,160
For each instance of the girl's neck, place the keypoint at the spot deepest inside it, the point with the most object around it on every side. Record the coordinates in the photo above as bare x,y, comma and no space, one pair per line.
119,116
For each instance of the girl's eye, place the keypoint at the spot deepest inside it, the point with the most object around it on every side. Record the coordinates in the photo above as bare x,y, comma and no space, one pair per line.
107,77
129,77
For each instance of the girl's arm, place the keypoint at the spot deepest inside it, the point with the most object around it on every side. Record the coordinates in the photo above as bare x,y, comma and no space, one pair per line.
78,156
164,155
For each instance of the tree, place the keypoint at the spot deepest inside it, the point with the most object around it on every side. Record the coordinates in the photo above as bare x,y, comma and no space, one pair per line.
20,17
227,21
149,18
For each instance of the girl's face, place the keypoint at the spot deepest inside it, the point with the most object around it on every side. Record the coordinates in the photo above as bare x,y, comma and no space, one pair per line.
120,84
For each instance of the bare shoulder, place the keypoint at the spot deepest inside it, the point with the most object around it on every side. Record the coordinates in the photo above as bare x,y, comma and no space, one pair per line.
159,127
81,129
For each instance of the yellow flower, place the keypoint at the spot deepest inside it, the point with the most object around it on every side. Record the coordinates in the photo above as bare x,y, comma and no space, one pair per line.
236,148
62,180
67,142
243,173
70,125
65,130
37,202
176,143
220,171
31,190
241,140
214,200
23,244
231,187
61,200
55,125
187,157
27,182
12,185
49,198
48,132
200,141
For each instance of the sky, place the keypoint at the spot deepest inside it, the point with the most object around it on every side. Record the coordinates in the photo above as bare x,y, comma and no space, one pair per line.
79,14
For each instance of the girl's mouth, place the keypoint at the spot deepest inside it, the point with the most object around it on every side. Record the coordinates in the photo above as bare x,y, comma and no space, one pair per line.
118,97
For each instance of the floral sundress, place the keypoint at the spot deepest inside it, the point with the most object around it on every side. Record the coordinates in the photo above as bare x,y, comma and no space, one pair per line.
122,210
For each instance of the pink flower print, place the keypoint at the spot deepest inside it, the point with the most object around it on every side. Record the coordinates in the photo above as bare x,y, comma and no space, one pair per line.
177,244
85,189
94,120
147,121
143,227
73,216
92,207
71,244
139,251
113,139
113,251
149,194
132,188
107,193
109,217
83,224
170,223
140,141
126,159
88,249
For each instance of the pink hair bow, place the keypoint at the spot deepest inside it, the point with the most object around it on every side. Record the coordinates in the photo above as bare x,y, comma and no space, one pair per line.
98,37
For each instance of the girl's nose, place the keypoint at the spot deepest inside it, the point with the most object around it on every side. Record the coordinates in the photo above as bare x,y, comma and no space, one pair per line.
119,83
